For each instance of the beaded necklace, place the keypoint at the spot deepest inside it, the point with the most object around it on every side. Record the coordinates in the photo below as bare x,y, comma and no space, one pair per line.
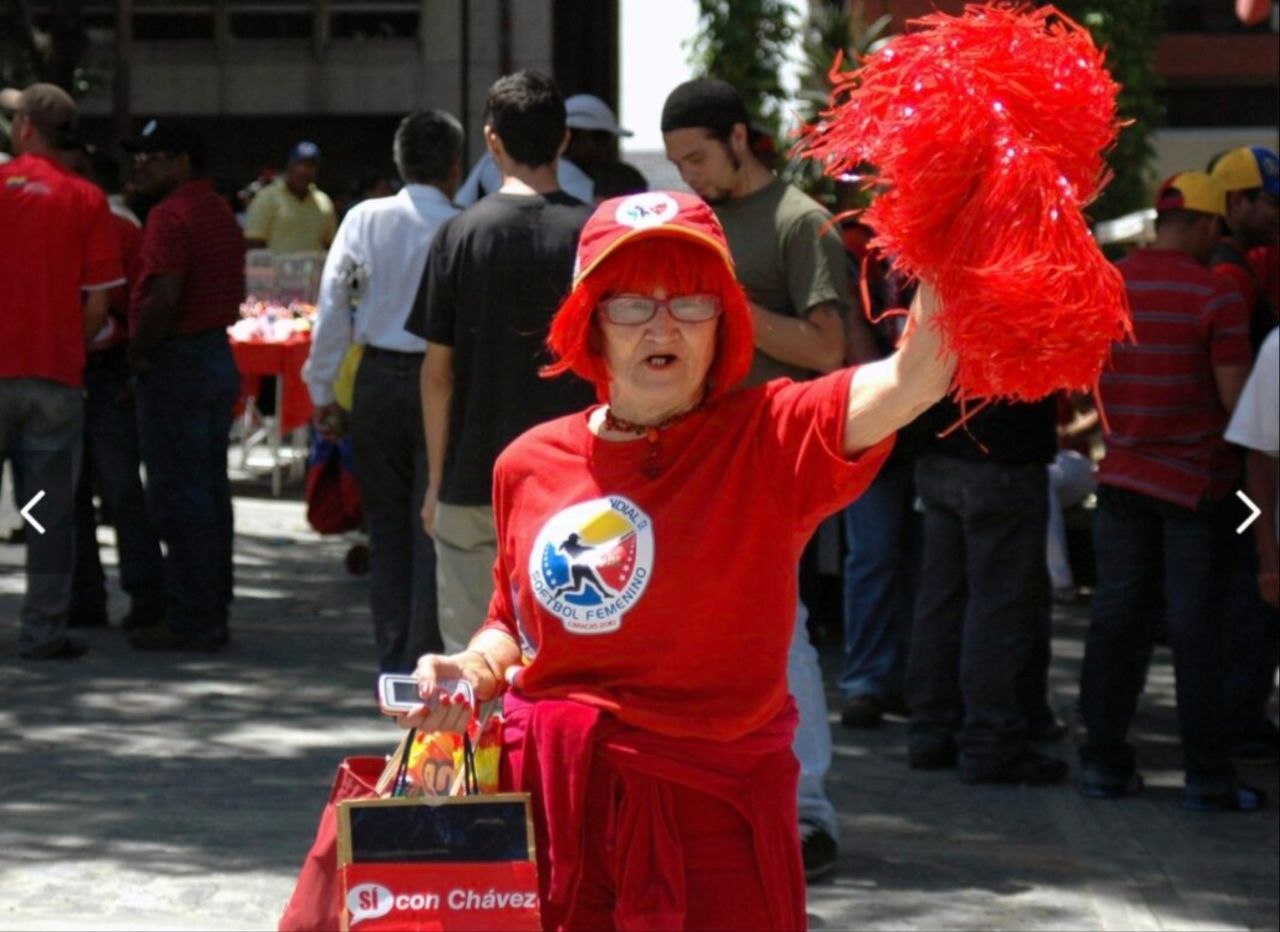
652,433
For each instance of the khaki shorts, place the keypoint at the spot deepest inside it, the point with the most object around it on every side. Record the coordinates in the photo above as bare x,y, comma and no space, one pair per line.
466,548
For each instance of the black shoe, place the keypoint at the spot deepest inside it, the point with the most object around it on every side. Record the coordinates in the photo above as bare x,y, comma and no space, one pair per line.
1098,784
67,649
895,706
818,849
1050,729
931,755
1029,768
142,618
85,617
864,711
161,638
1239,798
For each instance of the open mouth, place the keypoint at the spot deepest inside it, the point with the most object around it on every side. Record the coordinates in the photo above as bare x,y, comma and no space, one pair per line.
660,360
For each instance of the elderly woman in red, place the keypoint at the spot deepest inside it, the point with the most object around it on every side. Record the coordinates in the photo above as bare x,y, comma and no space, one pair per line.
645,585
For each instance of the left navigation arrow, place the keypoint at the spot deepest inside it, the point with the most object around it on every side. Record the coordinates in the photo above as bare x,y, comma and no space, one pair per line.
26,512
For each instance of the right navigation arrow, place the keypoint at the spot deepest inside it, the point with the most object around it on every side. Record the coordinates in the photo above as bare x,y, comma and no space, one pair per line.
1254,511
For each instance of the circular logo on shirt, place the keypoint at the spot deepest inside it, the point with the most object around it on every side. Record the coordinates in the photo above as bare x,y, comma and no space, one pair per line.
650,209
591,562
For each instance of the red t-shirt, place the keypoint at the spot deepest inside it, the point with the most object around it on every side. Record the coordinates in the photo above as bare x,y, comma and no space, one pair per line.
56,242
1265,261
193,233
116,330
1159,393
670,602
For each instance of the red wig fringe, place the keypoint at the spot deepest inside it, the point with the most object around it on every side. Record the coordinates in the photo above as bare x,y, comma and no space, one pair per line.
987,133
681,267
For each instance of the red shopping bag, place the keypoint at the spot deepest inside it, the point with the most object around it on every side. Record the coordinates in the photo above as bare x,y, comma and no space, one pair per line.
438,863
316,903
333,497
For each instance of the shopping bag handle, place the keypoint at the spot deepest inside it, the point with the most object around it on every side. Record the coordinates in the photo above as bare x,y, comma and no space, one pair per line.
401,782
470,781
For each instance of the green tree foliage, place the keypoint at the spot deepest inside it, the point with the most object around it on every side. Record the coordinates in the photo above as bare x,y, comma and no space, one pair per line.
831,29
743,42
1128,31
52,53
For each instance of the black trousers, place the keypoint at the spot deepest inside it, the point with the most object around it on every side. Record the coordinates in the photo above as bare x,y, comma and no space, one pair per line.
389,453
981,606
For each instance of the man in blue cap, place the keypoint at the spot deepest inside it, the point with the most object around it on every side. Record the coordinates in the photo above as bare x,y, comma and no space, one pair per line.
291,214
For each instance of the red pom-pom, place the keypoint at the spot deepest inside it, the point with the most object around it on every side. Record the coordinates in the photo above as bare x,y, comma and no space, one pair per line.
987,133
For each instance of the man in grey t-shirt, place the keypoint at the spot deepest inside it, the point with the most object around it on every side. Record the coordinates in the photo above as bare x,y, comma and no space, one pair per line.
792,264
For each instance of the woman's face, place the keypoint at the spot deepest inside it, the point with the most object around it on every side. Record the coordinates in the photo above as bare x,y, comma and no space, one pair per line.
660,366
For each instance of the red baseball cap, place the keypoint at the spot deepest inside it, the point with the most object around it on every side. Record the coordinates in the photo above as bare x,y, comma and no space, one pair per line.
643,216
1191,191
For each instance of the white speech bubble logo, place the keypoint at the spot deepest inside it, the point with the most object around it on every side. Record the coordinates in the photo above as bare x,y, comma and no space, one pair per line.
368,901
650,209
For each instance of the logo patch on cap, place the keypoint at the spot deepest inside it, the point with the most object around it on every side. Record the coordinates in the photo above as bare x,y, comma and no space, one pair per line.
650,209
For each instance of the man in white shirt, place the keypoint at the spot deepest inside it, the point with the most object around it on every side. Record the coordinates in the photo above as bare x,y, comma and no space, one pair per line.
1255,425
593,142
370,280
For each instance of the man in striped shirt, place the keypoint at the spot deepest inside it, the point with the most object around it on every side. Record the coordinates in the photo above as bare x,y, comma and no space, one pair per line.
1163,520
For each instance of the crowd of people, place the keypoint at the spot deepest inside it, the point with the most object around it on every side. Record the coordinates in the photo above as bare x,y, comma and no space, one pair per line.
593,427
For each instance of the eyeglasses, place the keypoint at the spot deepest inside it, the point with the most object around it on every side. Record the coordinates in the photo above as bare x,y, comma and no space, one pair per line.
633,309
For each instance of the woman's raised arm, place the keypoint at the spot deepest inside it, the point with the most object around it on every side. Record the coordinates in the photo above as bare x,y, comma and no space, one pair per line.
891,393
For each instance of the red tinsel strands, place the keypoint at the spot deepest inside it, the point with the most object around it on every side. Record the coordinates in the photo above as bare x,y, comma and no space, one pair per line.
988,132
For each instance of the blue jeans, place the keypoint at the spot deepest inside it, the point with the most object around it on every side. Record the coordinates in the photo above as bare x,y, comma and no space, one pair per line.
41,427
112,462
812,741
390,461
185,400
981,607
1157,560
883,532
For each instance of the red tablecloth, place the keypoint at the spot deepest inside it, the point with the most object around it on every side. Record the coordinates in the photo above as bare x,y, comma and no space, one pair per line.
256,358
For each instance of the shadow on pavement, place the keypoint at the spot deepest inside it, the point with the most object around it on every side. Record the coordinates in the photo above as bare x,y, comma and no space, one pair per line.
182,791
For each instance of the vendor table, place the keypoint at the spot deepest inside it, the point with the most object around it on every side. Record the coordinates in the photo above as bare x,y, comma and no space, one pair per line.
293,408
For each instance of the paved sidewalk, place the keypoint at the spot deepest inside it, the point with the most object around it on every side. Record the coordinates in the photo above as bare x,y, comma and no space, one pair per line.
176,792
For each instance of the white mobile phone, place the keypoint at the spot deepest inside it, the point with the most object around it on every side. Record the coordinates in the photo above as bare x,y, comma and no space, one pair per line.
399,693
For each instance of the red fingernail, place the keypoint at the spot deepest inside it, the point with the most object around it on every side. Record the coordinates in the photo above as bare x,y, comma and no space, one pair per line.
444,700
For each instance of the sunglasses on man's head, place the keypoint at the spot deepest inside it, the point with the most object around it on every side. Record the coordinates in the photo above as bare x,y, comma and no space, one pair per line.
628,309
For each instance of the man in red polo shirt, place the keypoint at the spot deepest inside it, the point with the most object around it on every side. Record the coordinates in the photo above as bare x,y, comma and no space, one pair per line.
110,465
58,259
188,289
1163,524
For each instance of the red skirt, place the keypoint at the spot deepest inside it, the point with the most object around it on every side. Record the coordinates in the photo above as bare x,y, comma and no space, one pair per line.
641,831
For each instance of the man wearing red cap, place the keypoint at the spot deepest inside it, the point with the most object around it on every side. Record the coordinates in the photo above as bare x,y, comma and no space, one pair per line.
1162,524
58,259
